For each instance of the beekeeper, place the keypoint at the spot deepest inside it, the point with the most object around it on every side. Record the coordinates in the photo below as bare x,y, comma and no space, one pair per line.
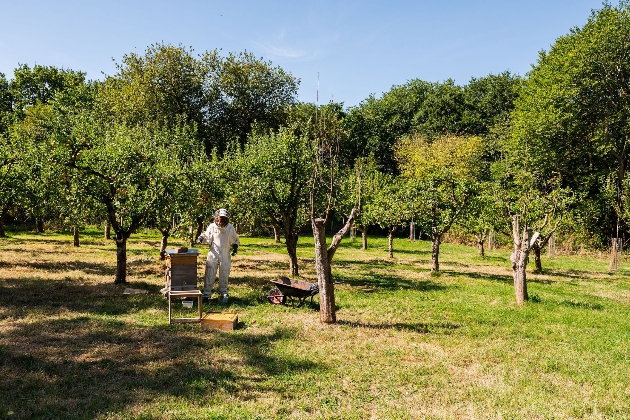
221,236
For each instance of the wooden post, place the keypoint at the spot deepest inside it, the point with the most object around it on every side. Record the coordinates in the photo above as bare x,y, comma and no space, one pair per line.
491,240
551,246
615,253
412,231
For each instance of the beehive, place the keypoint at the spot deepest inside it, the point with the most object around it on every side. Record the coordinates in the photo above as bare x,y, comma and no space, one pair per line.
182,267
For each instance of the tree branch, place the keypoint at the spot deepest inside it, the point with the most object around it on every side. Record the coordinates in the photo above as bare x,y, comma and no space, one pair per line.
339,235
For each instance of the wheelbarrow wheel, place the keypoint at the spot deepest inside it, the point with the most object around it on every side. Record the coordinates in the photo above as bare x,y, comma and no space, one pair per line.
276,297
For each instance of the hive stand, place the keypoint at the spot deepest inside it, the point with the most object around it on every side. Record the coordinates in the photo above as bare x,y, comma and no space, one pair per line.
181,281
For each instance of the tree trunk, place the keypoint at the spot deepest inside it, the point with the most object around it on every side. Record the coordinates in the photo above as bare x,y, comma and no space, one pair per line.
327,313
520,282
199,227
390,243
323,260
121,259
519,259
164,242
480,240
537,261
291,240
364,241
3,234
108,230
76,236
436,239
39,225
276,235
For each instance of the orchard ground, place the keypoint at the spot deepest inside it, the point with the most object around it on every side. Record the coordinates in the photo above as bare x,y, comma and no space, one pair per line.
407,344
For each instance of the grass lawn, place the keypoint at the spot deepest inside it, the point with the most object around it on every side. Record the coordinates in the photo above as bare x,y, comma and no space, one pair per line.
408,344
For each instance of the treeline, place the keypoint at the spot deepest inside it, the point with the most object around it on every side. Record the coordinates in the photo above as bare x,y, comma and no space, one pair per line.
174,135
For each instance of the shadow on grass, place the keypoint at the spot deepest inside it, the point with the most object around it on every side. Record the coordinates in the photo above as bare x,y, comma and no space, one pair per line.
582,305
22,296
569,274
72,359
409,252
420,327
261,265
481,276
374,282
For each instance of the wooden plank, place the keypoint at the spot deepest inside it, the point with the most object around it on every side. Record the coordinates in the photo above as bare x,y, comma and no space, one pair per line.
184,320
185,293
183,259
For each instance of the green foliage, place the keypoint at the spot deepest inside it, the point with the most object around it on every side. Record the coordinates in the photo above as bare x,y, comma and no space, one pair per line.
429,109
360,188
40,85
11,172
377,123
274,174
252,92
165,86
6,105
223,97
39,186
443,174
203,183
571,120
441,111
391,206
489,101
131,171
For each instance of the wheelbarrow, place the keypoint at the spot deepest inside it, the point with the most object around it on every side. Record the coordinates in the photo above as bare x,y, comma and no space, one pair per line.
286,287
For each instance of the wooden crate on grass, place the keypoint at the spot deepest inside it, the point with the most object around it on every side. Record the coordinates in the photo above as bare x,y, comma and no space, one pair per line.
225,321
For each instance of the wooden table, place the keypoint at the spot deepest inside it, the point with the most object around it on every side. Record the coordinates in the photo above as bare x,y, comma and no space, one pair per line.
184,293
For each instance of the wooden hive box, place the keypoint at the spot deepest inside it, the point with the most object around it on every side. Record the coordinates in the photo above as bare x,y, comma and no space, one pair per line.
183,269
225,321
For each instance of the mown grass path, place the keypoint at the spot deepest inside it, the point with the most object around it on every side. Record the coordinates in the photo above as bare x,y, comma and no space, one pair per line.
408,344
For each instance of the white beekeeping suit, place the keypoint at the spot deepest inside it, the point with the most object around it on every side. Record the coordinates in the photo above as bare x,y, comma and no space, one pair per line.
221,236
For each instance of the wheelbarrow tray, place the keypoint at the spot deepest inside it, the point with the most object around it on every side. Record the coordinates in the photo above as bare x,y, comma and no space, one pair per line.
286,287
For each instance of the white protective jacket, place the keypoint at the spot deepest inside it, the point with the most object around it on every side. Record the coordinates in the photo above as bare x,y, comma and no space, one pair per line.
220,240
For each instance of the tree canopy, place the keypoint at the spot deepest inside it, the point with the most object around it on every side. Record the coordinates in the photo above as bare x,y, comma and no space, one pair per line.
572,117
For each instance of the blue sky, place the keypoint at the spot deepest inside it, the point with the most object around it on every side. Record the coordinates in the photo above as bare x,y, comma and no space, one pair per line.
357,47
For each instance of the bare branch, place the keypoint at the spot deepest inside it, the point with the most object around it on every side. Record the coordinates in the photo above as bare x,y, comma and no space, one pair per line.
339,235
